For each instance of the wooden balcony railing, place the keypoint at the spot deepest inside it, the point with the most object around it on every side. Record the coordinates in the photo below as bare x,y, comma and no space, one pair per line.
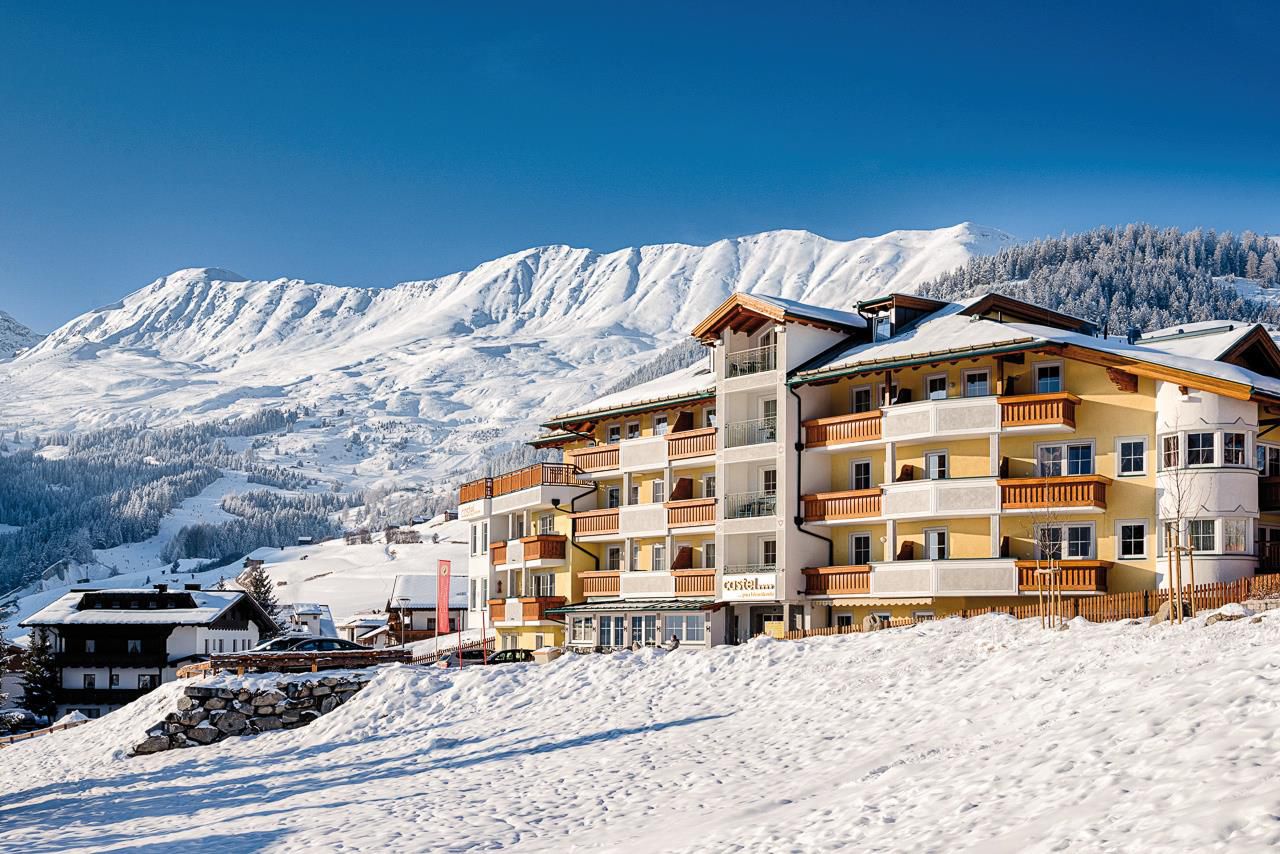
691,443
837,580
497,610
692,511
1269,494
1036,493
535,607
1074,576
1027,410
851,504
498,552
590,522
475,490
839,429
602,583
538,474
594,459
544,547
695,582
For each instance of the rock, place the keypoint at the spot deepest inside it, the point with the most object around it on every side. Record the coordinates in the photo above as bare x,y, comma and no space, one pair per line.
230,722
224,694
192,717
1162,615
179,739
244,696
308,716
155,731
265,724
343,696
305,703
1256,620
215,703
204,734
242,706
290,716
199,691
346,686
187,702
329,681
871,623
328,704
172,728
267,698
264,710
1222,618
292,689
155,744
321,690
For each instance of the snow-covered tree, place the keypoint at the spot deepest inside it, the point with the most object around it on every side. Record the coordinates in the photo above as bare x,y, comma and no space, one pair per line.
258,585
40,675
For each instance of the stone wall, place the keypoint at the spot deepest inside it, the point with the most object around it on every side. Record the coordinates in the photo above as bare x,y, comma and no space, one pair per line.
209,713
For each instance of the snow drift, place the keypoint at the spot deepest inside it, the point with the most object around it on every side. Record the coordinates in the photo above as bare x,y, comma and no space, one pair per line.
986,734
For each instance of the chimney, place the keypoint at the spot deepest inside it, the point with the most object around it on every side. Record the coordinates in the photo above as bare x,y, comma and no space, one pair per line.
162,588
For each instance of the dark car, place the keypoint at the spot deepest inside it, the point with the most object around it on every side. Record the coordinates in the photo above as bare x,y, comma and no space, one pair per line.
469,657
327,645
511,656
278,644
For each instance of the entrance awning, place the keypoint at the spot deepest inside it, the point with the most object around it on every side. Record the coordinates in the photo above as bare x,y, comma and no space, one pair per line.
608,605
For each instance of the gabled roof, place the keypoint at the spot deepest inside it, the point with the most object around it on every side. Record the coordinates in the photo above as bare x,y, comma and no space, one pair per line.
694,383
1006,308
751,312
205,607
907,301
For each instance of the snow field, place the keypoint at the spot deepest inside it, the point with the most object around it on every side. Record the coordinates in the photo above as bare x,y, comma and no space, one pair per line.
987,734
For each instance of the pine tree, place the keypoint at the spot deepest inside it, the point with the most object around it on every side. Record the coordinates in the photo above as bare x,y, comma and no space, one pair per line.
258,585
40,675
4,660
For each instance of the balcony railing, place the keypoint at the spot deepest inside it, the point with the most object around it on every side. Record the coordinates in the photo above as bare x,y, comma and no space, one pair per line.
694,511
842,429
594,459
852,504
691,443
695,582
1268,494
475,490
544,547
755,432
601,583
837,580
750,568
525,608
591,522
498,610
1040,493
1072,576
1029,410
538,474
750,505
753,361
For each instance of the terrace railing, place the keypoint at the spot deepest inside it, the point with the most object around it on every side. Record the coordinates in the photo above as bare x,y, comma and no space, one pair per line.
753,361
755,432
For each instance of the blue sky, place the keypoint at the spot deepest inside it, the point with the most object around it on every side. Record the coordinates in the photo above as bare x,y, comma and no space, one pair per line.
371,143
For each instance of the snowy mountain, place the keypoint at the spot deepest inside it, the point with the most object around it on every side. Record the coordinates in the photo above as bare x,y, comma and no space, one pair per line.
432,374
14,337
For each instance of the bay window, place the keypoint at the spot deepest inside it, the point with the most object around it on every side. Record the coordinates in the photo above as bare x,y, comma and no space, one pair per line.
1199,449
1235,535
1233,449
1201,535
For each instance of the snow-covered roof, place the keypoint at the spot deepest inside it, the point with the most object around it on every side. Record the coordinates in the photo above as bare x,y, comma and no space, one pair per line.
358,622
816,312
1207,339
206,606
693,381
311,609
419,591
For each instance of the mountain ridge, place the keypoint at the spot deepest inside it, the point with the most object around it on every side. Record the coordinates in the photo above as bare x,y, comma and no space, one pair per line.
15,336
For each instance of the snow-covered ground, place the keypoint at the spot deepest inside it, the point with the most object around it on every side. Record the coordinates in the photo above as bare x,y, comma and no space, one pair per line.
988,735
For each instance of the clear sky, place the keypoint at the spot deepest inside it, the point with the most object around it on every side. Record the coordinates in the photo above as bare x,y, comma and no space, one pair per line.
371,143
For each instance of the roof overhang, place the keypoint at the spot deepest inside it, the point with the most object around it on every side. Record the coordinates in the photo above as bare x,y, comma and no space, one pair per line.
636,605
745,313
582,420
934,357
1255,351
1002,307
907,301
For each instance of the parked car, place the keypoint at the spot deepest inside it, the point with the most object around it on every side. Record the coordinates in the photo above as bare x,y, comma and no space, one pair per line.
278,644
328,645
469,657
511,656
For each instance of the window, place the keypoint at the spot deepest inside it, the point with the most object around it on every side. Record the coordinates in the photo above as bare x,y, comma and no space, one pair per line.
709,486
613,434
977,383
115,680
89,681
1268,460
613,496
134,647
547,524
147,681
658,557
1131,456
859,549
1133,540
659,425
633,429
613,558
1048,377
935,387
1233,449
769,552
709,416
860,474
90,645
883,328
539,641
1072,541
709,555
688,628
922,615
633,565
582,630
1080,541
769,481
613,630
633,494
1201,532
474,532
544,584
1070,459
935,465
862,399
844,621
935,540
1235,536
892,394
1199,449
517,526
1169,452
484,538
659,491
644,629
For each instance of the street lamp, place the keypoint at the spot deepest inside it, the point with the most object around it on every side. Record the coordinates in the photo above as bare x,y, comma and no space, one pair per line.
404,601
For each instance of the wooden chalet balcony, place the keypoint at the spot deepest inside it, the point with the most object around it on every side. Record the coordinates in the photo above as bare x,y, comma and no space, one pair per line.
1049,493
544,547
1074,576
600,583
837,580
538,474
691,443
525,608
475,490
594,459
498,552
591,522
690,512
695,582
1034,410
1269,494
497,610
841,429
850,504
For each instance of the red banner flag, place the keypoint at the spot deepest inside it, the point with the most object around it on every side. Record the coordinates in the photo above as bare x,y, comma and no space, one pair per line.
442,597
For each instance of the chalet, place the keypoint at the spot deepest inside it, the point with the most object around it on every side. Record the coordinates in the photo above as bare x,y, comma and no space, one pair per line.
361,628
411,610
308,618
112,646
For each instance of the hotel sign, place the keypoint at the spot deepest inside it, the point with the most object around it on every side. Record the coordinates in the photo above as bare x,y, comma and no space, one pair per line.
757,586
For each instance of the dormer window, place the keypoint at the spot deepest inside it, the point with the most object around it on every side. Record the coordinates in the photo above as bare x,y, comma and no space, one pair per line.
883,328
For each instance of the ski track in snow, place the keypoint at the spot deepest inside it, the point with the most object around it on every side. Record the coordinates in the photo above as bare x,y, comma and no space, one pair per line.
988,735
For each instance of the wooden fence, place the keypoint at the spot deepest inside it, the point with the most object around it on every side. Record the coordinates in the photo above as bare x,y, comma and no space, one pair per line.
1097,609
449,649
36,733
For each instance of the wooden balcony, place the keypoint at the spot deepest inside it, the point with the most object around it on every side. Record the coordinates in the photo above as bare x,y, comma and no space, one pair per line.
1269,494
591,522
475,490
1035,410
497,610
695,582
842,429
834,506
601,583
691,443
594,459
691,512
525,608
1074,576
1054,493
498,552
544,547
538,474
837,580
